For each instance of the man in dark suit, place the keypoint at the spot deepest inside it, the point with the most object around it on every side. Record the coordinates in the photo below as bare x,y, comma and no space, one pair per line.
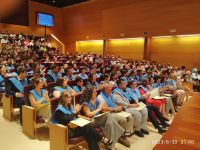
53,75
15,87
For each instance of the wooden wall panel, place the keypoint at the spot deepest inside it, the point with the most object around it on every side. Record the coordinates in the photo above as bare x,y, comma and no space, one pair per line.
133,17
127,48
178,51
37,30
93,47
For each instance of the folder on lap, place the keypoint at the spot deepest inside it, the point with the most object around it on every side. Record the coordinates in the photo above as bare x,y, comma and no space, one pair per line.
42,105
124,114
141,106
80,122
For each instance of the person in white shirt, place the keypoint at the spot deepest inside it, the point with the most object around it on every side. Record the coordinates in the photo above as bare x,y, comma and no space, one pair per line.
42,39
1,35
12,35
32,43
21,37
177,72
4,40
195,74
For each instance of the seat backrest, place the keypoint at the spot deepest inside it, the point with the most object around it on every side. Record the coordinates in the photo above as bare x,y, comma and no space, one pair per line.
54,104
184,75
5,81
78,98
29,76
108,71
98,91
50,86
98,79
87,72
29,69
27,89
84,82
71,83
119,76
12,70
114,87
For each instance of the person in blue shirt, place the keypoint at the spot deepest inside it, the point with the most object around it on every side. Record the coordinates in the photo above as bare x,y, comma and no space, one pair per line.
102,71
36,74
75,68
92,107
79,85
39,96
137,98
52,77
36,66
24,63
66,112
133,75
86,66
61,85
113,78
139,75
108,66
113,69
112,61
97,59
125,75
9,64
92,81
17,67
93,70
104,78
82,73
69,74
2,75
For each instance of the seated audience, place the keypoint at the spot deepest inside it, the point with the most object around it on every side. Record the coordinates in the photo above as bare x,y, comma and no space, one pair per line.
65,112
92,81
69,74
79,85
122,98
189,78
52,77
196,75
82,73
92,107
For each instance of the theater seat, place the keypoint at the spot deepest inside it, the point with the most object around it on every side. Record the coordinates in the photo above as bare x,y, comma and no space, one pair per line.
59,133
29,117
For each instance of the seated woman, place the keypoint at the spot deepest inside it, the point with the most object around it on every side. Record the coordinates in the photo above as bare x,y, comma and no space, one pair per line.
144,90
161,90
82,73
79,85
63,68
65,112
105,78
61,85
37,97
36,74
2,75
133,75
92,107
102,70
92,81
118,70
36,66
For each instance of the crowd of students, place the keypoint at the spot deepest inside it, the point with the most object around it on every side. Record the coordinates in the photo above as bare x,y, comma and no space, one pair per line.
123,84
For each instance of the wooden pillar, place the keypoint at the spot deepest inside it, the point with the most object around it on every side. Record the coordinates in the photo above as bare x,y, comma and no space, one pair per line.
105,45
146,49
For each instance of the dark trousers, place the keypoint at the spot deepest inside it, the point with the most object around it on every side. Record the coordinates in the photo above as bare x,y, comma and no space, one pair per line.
174,100
157,113
196,86
90,134
20,102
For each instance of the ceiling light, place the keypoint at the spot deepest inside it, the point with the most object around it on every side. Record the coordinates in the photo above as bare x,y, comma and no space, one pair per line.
161,36
92,41
188,35
126,39
54,1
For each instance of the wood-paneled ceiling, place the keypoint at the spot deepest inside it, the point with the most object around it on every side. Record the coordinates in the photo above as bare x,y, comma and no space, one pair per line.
60,3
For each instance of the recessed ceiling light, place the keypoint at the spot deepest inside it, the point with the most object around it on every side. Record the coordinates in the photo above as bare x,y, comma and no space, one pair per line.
54,1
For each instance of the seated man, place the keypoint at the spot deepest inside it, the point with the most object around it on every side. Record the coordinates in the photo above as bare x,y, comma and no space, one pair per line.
9,64
17,67
132,88
189,78
122,98
79,85
24,63
125,75
93,70
36,74
52,77
15,87
139,75
75,68
69,74
106,96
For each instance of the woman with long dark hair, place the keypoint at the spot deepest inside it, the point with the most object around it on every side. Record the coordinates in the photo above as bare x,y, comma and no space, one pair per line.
65,112
92,107
92,81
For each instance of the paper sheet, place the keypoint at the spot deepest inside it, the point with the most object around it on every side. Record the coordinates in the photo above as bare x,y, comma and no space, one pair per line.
100,115
124,114
80,122
154,93
167,95
141,106
42,105
157,97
